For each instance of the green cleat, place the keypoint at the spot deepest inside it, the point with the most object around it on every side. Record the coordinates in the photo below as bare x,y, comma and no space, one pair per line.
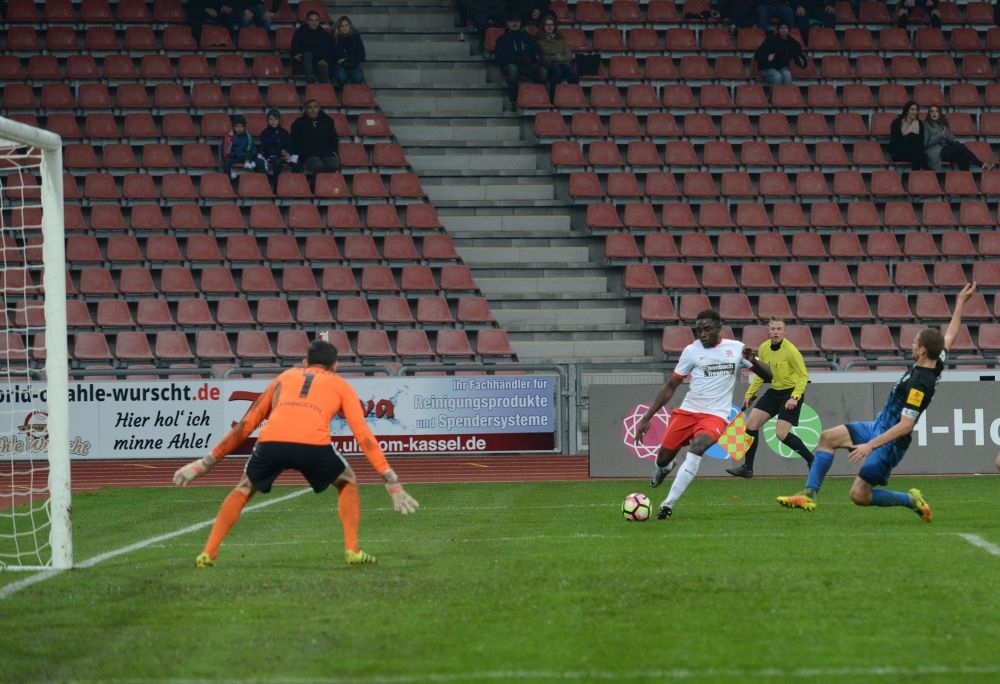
359,557
800,500
920,505
204,561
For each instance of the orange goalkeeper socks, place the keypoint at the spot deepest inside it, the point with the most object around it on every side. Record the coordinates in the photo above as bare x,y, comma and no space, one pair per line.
228,514
349,508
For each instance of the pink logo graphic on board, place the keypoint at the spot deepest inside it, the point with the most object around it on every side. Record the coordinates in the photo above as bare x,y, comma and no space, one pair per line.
650,444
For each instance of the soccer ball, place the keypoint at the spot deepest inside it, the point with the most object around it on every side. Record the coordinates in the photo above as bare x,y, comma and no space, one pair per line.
636,507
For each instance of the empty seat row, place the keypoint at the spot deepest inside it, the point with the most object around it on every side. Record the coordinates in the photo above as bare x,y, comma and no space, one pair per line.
644,278
227,217
662,12
313,250
365,186
202,97
716,98
892,308
263,281
216,346
841,339
132,11
740,186
269,313
844,245
62,40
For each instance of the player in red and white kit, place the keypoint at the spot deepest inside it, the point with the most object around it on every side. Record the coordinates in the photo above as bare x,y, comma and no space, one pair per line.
713,364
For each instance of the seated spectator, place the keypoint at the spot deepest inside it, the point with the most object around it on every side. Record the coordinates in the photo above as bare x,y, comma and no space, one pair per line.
908,9
238,149
738,13
277,148
348,53
315,137
226,13
485,14
809,13
531,11
906,138
256,12
766,10
940,144
556,55
311,49
518,54
775,54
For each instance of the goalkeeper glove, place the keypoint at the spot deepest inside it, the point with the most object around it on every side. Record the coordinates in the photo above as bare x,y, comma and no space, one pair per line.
401,501
196,468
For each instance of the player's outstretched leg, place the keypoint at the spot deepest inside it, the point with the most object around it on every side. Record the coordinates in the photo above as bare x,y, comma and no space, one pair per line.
349,510
660,474
227,516
920,505
804,500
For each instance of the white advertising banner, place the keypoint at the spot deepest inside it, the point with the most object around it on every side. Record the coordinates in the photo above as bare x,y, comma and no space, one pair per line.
185,418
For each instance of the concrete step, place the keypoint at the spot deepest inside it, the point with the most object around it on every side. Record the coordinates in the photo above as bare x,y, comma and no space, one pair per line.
478,100
521,256
461,160
572,351
442,130
555,287
550,317
490,221
487,188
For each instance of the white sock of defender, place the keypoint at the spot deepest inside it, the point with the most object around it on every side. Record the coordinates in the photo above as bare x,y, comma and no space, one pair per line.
683,478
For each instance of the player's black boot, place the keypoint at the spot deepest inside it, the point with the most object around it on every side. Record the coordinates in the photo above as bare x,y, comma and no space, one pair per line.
665,512
741,471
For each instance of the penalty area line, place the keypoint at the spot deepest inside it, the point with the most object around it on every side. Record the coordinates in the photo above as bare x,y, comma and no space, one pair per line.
14,587
976,540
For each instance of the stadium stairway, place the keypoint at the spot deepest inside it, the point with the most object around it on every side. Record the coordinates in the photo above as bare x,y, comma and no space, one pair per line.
493,187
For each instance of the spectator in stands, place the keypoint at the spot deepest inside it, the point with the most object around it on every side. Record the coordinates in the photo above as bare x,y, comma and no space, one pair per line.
312,49
485,14
940,144
809,13
315,137
775,54
738,13
556,55
277,148
256,12
518,55
766,10
348,53
238,148
928,7
223,12
532,11
906,138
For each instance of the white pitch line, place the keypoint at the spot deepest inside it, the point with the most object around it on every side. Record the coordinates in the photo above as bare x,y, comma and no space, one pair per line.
976,540
15,587
854,673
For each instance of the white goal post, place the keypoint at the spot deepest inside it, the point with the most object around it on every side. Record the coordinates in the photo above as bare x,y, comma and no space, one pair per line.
35,511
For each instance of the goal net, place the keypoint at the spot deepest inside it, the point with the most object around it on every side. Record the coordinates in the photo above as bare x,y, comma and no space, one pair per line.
35,529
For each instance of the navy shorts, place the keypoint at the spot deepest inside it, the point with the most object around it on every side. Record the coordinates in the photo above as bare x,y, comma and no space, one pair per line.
773,404
878,466
320,465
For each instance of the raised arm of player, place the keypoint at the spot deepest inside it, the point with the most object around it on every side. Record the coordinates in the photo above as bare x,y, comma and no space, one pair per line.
351,410
762,370
255,415
955,324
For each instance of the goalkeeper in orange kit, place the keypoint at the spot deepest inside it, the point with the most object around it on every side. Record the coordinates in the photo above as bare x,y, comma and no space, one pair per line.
299,405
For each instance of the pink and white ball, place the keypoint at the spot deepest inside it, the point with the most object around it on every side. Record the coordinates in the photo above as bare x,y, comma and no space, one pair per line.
636,507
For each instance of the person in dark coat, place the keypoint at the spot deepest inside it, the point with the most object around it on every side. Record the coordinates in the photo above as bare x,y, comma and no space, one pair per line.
277,148
775,54
315,139
906,138
312,49
518,54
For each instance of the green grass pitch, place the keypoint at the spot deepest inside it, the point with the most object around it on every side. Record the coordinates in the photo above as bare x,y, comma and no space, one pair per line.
522,582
